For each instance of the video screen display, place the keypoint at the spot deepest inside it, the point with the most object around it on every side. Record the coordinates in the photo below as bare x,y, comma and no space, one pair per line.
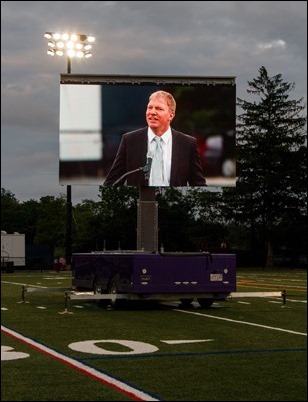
96,110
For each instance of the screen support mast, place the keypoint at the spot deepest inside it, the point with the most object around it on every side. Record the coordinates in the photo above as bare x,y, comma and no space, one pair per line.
147,220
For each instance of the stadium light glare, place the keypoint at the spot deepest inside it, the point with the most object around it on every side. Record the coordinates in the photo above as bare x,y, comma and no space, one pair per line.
69,44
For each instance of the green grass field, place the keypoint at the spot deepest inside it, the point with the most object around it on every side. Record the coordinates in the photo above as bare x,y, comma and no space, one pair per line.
241,349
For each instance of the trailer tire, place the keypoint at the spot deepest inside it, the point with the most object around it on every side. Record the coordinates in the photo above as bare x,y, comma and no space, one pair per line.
98,289
113,290
205,302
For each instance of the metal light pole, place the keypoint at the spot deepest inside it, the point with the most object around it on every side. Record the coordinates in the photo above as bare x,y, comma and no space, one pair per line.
69,208
71,45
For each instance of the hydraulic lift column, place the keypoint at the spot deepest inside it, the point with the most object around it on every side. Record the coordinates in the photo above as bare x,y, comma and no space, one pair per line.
147,220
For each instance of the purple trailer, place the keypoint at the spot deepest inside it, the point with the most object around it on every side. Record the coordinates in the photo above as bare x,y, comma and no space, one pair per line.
160,276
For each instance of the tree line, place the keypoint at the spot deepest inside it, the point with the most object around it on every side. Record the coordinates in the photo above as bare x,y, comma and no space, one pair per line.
265,213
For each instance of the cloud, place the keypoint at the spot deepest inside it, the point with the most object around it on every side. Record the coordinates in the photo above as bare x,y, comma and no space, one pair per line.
279,43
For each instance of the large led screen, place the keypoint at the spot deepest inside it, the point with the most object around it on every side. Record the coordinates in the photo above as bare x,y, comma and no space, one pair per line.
96,110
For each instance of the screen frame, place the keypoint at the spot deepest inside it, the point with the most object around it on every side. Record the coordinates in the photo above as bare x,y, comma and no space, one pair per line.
118,79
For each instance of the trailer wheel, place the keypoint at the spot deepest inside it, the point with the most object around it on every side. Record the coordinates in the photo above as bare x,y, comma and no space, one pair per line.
113,290
186,302
97,286
206,302
98,289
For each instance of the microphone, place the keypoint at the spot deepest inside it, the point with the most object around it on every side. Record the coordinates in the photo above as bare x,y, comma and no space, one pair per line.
146,169
148,165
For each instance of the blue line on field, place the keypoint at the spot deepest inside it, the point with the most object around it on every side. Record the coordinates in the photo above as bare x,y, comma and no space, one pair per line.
215,352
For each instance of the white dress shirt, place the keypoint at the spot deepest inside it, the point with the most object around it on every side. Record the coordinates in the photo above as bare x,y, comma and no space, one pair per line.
166,144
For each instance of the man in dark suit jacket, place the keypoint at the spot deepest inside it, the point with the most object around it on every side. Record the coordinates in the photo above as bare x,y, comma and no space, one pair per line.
181,159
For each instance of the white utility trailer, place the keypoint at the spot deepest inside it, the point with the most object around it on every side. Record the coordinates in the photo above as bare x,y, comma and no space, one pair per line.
13,251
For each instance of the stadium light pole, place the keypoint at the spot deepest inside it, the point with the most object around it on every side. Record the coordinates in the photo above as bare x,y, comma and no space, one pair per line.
70,45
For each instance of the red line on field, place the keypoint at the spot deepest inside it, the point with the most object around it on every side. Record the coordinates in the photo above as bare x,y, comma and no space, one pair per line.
83,368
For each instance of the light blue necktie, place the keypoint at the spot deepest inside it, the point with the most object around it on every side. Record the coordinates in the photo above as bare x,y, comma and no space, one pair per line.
157,164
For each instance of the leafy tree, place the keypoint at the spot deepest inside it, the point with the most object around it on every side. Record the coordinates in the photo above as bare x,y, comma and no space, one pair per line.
118,217
211,227
30,212
87,227
50,226
174,220
10,212
271,155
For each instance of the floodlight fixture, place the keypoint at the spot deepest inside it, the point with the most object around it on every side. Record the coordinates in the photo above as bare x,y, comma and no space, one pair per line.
69,44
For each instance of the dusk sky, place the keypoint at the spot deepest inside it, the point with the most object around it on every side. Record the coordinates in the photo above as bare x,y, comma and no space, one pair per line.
186,38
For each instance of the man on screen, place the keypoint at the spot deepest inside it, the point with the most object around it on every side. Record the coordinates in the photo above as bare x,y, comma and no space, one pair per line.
157,155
